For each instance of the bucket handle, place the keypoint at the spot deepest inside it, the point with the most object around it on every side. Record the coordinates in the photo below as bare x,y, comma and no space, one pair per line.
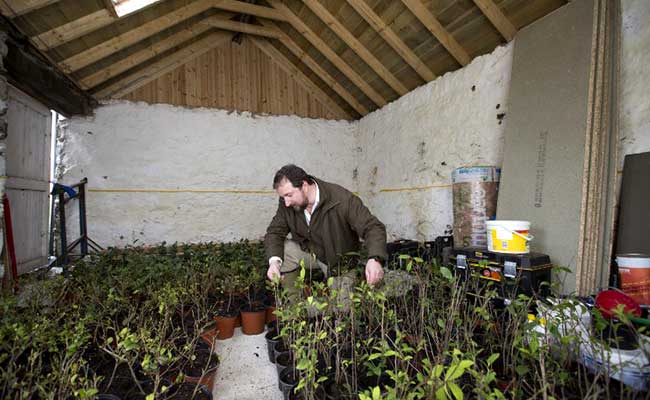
527,238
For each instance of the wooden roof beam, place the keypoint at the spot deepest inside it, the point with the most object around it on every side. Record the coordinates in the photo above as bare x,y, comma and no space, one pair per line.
392,39
334,58
147,74
431,23
293,71
241,27
497,17
104,49
16,8
250,9
73,29
303,56
139,57
356,46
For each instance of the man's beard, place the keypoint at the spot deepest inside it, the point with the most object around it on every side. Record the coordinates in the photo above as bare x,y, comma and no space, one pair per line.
303,206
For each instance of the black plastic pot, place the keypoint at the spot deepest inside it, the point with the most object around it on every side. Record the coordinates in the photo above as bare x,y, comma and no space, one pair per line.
288,381
273,325
185,390
102,396
279,348
282,362
332,389
271,340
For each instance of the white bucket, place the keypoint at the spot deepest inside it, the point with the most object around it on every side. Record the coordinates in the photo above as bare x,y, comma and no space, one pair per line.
508,236
634,274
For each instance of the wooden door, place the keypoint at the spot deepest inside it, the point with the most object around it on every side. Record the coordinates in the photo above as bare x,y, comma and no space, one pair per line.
28,174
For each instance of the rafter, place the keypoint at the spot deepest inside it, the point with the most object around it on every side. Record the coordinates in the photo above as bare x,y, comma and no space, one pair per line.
16,8
153,71
307,84
356,46
431,23
251,9
498,18
240,27
139,57
318,70
392,39
73,29
133,36
321,46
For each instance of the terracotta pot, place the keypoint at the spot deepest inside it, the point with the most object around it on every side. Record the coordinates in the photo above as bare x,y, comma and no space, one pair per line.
269,314
253,322
225,326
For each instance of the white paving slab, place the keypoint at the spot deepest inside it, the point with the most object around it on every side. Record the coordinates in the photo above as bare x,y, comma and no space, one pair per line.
245,371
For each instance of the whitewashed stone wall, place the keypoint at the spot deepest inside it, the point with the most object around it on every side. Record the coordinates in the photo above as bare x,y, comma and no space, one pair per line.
635,78
398,158
129,146
414,143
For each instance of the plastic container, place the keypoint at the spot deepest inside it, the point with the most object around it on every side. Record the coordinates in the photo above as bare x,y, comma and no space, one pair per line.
631,367
510,237
475,191
634,276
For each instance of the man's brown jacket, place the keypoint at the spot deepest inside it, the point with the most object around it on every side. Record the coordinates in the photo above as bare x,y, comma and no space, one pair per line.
338,222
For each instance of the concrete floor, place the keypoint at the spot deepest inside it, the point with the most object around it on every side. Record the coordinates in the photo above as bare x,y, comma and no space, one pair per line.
245,372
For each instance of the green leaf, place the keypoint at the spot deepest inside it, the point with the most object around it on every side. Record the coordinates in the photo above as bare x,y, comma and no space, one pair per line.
441,394
455,390
454,372
376,393
150,396
303,364
522,369
492,358
446,273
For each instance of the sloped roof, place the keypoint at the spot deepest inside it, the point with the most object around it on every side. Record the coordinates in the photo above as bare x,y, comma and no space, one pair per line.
354,56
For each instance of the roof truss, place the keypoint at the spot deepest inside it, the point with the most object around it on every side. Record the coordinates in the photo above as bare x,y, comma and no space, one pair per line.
118,64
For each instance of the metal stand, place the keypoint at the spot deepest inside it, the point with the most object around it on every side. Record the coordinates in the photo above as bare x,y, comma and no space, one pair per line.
83,241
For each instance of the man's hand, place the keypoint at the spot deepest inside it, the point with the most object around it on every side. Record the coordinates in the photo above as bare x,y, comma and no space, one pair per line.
374,271
273,272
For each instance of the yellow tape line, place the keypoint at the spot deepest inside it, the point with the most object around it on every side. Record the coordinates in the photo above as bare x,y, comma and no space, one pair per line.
181,191
407,189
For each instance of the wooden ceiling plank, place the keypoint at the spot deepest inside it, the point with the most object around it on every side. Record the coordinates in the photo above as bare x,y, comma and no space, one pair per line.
392,39
329,54
241,27
149,73
307,84
142,56
250,9
16,8
497,17
304,56
431,23
73,29
358,47
133,36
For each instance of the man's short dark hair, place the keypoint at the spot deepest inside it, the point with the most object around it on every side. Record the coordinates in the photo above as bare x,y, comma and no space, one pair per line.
293,174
